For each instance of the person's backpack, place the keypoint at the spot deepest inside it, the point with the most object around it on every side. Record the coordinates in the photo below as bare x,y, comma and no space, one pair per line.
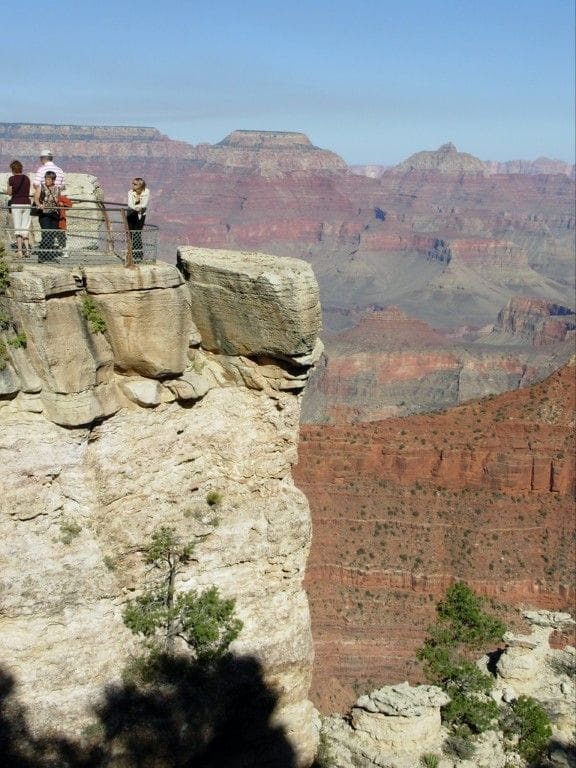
63,203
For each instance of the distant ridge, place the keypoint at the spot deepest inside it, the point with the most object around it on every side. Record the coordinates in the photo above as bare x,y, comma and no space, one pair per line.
48,131
271,153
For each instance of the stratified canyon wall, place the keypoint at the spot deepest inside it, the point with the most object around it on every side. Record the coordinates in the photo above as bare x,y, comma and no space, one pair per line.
402,508
391,364
194,387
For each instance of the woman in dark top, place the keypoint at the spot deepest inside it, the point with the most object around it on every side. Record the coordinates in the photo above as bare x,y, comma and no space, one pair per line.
19,191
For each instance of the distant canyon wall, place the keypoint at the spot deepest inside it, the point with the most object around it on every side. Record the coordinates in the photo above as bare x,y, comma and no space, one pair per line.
391,364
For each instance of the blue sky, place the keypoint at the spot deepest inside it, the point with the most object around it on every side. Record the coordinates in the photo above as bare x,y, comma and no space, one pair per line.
373,80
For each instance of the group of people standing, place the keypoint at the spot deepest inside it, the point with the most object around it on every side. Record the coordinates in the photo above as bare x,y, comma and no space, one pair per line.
50,203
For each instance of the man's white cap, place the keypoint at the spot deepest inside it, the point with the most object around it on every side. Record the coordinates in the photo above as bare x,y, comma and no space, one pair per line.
45,153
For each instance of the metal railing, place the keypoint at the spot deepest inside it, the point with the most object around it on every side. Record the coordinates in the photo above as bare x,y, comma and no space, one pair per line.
94,233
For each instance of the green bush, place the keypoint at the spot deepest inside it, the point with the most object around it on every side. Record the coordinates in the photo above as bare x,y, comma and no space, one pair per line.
429,760
69,530
463,612
18,341
460,745
528,722
462,626
92,314
214,498
4,273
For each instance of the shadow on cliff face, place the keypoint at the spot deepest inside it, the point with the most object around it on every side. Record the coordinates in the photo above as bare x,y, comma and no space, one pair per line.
190,716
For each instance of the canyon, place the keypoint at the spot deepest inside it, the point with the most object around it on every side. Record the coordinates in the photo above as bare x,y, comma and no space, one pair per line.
445,238
446,282
403,507
391,364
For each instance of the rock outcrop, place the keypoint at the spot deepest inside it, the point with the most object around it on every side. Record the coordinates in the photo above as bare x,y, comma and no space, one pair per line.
534,321
528,666
390,726
395,726
106,436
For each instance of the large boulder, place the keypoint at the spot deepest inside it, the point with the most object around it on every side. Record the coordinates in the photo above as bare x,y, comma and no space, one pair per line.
252,304
388,727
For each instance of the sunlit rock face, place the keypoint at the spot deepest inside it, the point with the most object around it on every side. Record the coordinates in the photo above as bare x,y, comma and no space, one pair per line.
106,436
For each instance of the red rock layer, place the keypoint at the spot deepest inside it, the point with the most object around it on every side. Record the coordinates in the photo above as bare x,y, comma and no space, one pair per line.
402,507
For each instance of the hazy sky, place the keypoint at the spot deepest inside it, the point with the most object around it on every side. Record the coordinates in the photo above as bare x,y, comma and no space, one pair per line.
373,80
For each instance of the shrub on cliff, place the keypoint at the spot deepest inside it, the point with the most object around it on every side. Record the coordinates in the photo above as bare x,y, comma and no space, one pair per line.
92,314
462,626
204,621
4,273
525,721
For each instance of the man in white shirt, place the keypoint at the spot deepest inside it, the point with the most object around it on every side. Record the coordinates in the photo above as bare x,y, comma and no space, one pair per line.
48,165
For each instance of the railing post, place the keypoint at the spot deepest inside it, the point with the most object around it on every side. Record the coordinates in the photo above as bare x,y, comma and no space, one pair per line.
110,238
129,256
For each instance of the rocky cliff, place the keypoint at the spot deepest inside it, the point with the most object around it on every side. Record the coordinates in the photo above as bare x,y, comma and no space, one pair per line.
193,387
402,507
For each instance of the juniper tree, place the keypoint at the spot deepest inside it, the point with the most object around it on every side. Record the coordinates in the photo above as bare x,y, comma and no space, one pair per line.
204,621
462,626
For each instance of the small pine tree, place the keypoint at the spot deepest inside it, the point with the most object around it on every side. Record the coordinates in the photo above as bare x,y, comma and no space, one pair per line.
204,621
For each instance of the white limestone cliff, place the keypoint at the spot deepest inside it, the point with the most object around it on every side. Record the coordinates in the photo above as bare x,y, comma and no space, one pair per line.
194,387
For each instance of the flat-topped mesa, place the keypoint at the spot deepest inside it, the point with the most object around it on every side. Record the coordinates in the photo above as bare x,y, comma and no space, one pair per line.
127,398
446,159
260,139
50,132
272,153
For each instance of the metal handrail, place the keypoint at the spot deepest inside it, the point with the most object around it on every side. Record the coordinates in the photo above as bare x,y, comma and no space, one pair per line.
84,232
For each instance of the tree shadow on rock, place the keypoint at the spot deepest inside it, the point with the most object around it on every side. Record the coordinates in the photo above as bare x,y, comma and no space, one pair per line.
188,715
21,748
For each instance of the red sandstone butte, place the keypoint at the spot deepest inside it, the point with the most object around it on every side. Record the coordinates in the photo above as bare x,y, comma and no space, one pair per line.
403,507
